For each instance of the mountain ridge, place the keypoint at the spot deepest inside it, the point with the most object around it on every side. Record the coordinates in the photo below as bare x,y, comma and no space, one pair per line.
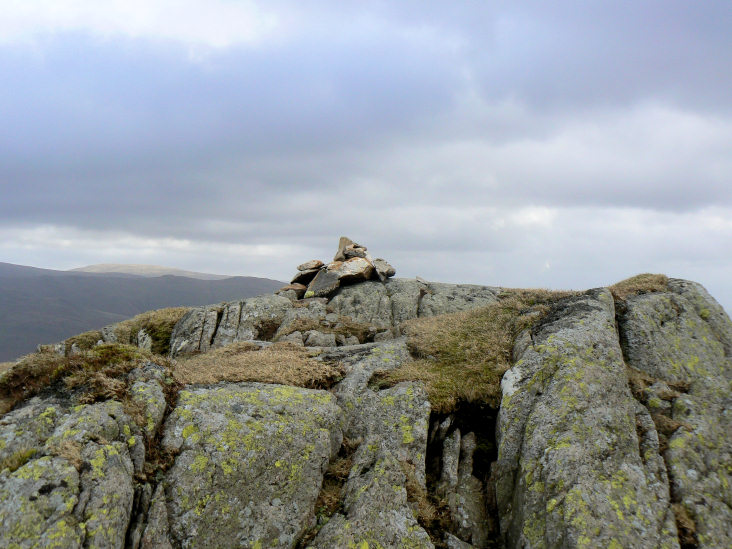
384,413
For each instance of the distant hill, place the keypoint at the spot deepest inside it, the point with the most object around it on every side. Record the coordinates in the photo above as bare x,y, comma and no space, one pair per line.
145,270
45,306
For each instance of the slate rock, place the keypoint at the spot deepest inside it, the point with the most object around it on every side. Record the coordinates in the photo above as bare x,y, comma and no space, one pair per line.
310,265
305,277
323,285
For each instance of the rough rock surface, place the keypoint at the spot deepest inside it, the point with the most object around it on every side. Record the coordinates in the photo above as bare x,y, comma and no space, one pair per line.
251,463
685,336
76,486
572,470
392,426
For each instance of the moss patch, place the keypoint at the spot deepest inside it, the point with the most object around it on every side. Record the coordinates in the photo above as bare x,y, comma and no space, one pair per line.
639,284
16,460
281,363
461,357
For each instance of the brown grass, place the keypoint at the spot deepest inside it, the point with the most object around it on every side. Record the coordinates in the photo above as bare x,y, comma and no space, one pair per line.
96,370
281,363
461,357
639,284
158,324
70,450
685,525
84,341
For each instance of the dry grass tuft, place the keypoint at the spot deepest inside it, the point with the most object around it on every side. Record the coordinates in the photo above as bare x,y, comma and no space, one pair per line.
96,371
70,450
281,363
639,284
84,341
685,525
158,324
461,357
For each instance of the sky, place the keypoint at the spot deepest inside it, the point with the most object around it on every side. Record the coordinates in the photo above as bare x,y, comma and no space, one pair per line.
524,143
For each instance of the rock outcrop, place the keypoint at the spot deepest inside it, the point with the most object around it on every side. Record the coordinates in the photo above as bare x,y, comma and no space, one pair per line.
614,429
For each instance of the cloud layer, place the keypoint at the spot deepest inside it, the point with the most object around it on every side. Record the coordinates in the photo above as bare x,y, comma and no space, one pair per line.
568,145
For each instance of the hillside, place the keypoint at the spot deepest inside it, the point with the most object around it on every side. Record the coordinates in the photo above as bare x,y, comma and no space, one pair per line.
354,409
44,306
144,270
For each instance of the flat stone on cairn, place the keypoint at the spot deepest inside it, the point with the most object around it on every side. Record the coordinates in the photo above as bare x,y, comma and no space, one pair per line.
351,264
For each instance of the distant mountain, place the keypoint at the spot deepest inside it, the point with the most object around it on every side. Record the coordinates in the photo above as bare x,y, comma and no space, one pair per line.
45,306
145,270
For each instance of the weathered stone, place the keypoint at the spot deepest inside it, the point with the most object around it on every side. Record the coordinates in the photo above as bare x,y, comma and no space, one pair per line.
109,334
149,396
144,341
684,336
305,277
295,338
314,338
251,463
450,462
440,298
354,250
299,289
453,542
375,508
261,316
45,502
323,285
310,265
367,303
352,270
195,330
570,470
383,269
156,535
312,313
342,243
467,502
36,505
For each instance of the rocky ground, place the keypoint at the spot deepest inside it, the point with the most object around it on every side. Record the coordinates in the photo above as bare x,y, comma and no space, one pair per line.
613,430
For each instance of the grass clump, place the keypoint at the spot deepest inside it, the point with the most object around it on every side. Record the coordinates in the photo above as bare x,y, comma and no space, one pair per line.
84,341
462,356
158,324
639,284
95,371
16,460
281,363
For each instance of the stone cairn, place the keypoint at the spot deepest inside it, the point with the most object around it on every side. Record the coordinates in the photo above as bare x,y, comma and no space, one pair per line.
351,264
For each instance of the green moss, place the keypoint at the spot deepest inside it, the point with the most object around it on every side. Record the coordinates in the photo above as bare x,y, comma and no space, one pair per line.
17,459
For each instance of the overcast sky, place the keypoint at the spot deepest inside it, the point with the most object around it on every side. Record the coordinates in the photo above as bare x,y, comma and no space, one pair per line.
545,144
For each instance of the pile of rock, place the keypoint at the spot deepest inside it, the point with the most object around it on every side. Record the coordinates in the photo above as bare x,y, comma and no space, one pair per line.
352,263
